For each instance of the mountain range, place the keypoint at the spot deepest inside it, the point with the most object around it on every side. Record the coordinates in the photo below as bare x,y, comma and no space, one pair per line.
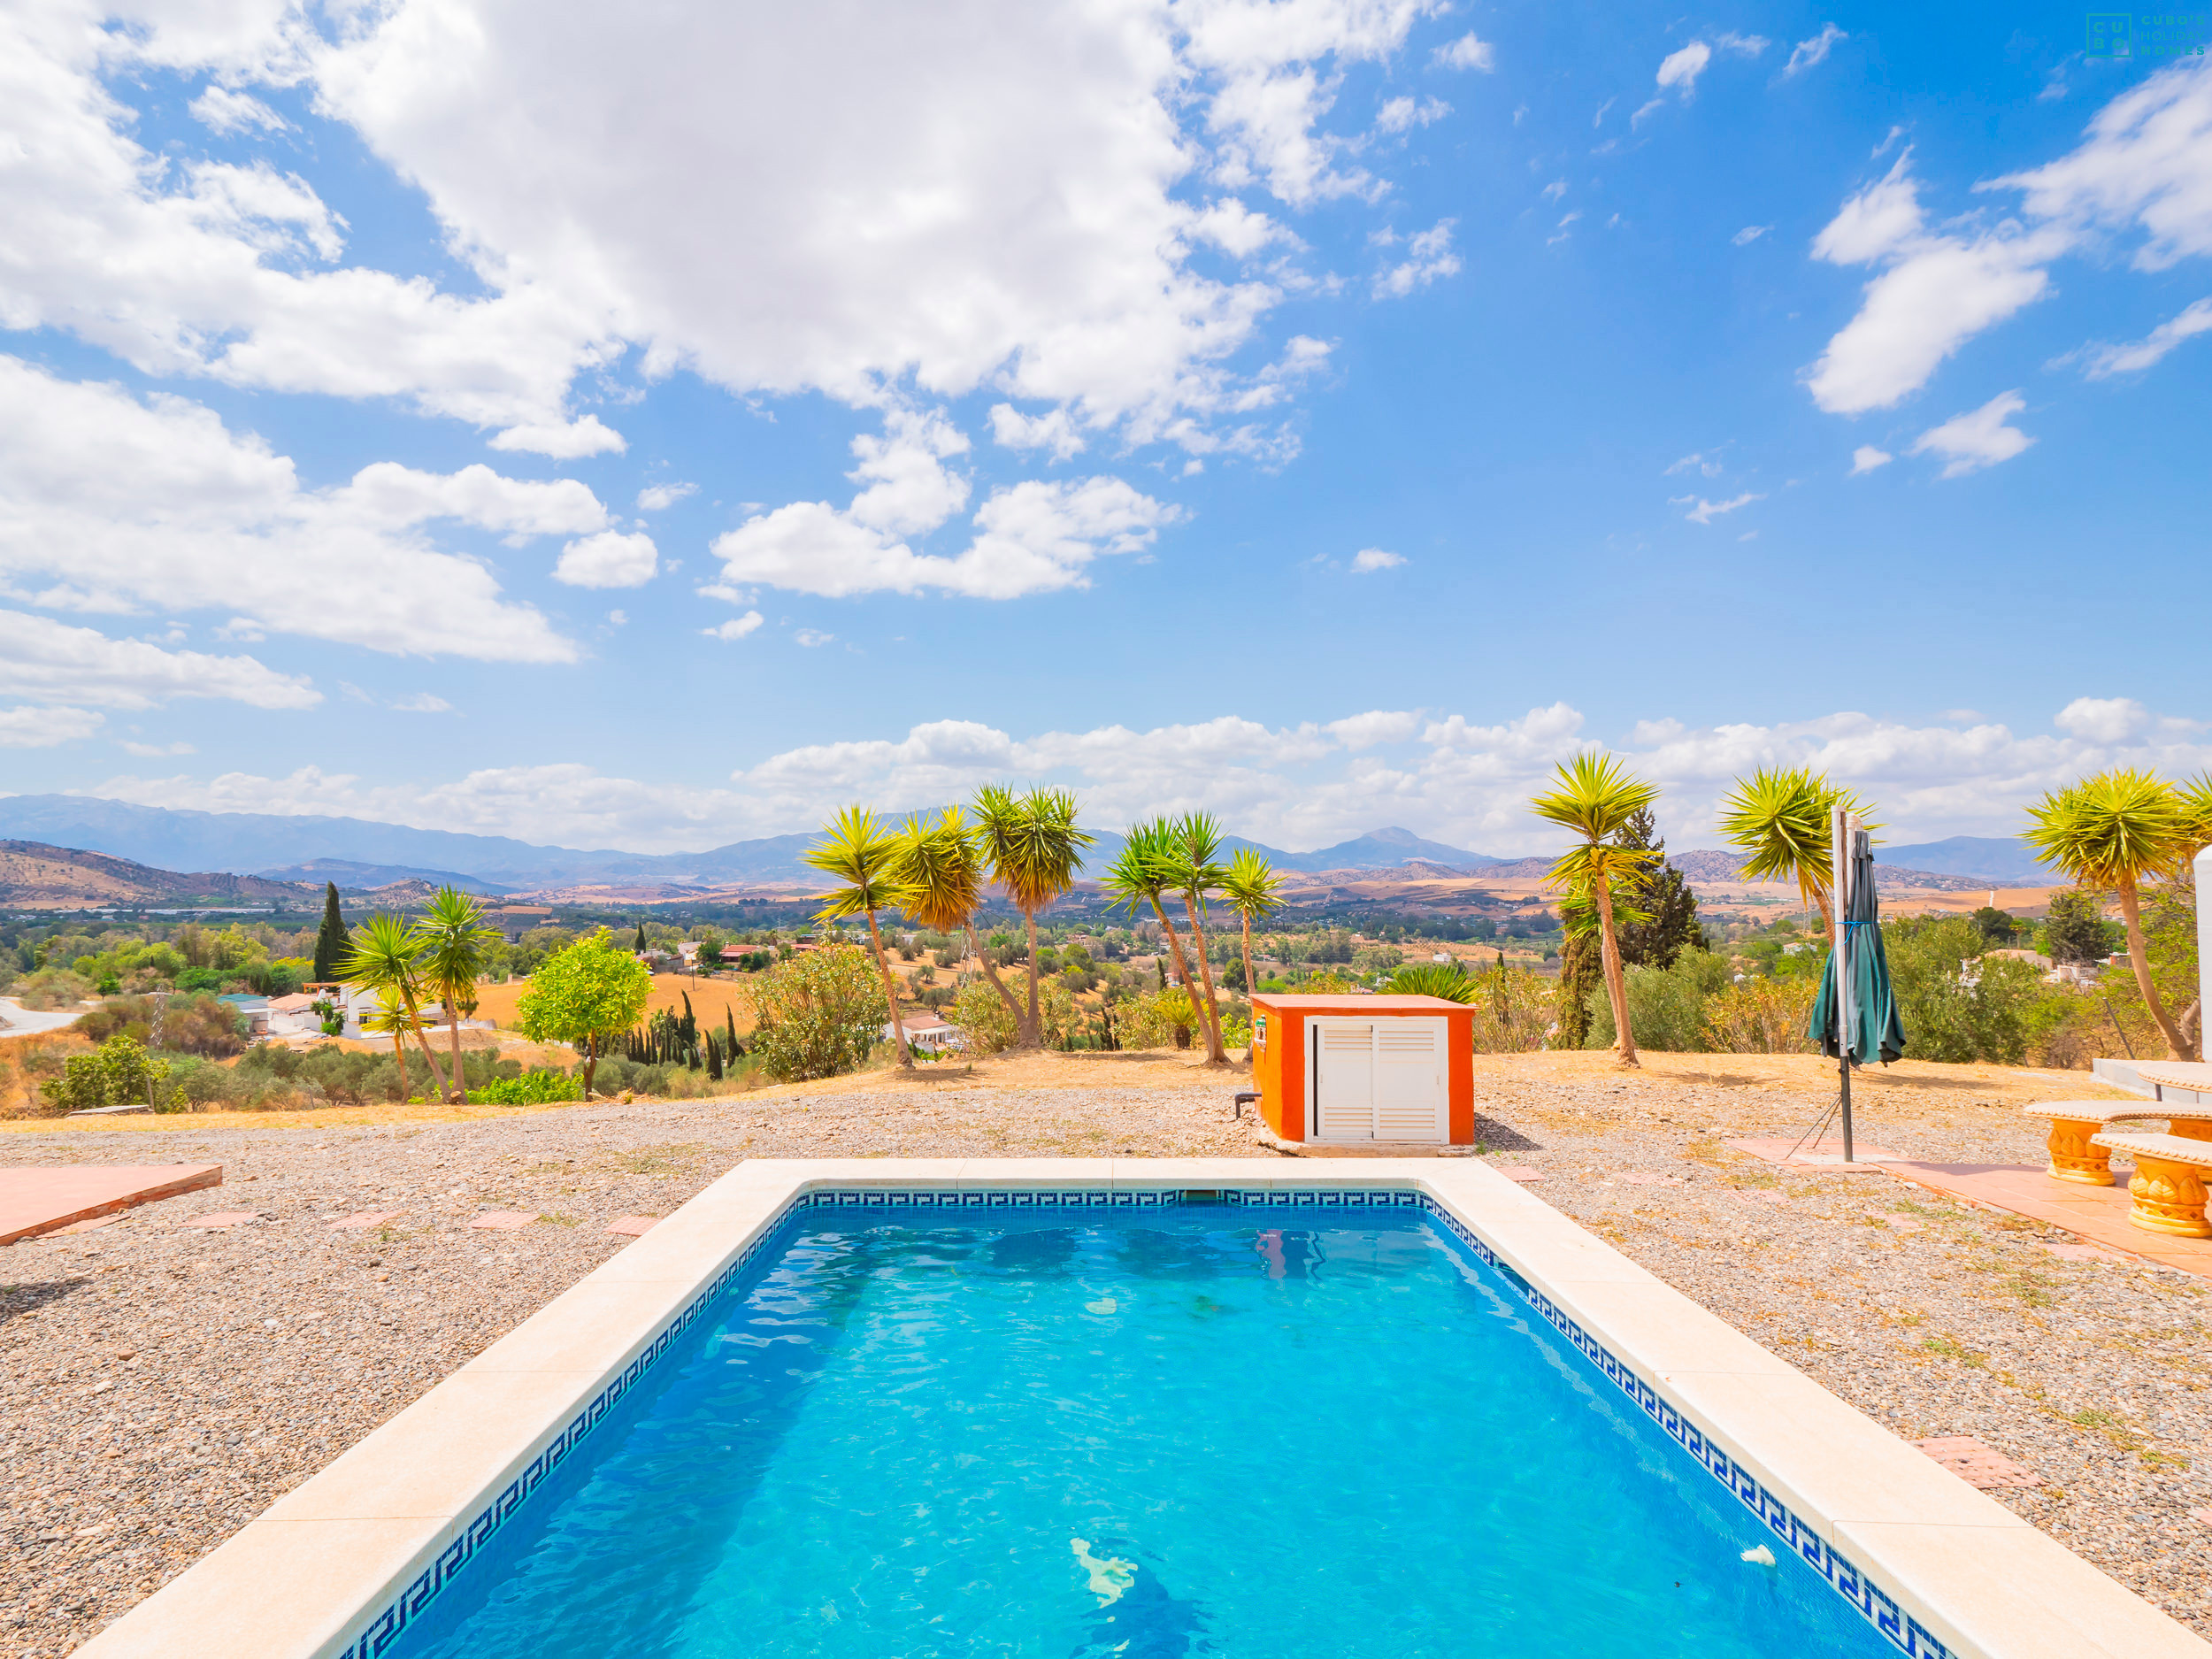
359,853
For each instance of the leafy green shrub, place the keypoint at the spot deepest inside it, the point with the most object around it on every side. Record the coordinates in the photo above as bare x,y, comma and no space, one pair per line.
201,980
119,1073
1956,1004
52,988
820,1014
1761,1016
536,1087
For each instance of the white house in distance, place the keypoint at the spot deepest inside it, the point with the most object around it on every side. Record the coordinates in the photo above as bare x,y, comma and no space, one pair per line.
928,1031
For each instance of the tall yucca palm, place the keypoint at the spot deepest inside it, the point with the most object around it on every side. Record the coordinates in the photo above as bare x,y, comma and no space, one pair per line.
939,869
2113,831
1252,889
1198,873
455,954
1034,850
385,956
1144,873
1779,818
858,851
1594,796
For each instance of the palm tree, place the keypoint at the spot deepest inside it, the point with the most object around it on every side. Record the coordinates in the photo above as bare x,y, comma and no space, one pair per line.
1595,797
1143,873
2113,831
1779,818
1251,889
1198,871
385,957
1034,850
858,851
1451,982
937,870
454,957
390,1018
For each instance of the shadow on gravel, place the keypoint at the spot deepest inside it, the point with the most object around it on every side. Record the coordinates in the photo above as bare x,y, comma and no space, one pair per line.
1502,1138
18,1300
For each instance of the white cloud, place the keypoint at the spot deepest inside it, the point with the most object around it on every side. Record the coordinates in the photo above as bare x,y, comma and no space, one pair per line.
1749,234
1051,430
565,440
610,559
1429,255
1466,52
2142,168
1461,782
421,703
2103,719
152,751
1742,45
1682,68
2142,354
735,628
1866,457
1814,50
813,637
1031,537
1703,512
1709,465
1403,114
1977,438
1373,558
116,504
54,661
659,497
47,728
1553,191
223,110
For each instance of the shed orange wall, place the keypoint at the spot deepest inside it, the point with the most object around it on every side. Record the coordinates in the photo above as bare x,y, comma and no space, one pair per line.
1279,1071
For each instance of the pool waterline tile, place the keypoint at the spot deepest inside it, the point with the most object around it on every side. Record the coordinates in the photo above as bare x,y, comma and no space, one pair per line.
673,1275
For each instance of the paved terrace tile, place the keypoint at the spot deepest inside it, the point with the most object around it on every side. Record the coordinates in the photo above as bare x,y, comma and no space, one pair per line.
2097,1214
33,1200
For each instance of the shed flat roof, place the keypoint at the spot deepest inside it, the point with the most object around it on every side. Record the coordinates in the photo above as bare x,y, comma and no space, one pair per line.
1345,1003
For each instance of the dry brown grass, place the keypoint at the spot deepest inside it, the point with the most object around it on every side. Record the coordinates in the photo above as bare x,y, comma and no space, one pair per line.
709,999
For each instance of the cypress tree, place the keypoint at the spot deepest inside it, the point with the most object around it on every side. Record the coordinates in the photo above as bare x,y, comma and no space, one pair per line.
690,1026
1660,890
729,1015
331,943
1581,970
641,939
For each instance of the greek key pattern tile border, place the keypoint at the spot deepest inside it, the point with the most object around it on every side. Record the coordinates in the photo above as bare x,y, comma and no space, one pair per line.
1838,1571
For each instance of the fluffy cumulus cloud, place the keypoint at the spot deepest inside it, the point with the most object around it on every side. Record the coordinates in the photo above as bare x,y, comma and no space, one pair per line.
1369,559
1866,457
1464,782
1977,438
1428,257
2140,182
1031,537
111,503
610,559
58,663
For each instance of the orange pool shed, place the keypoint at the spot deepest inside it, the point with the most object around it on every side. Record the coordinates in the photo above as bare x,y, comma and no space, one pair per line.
1365,1068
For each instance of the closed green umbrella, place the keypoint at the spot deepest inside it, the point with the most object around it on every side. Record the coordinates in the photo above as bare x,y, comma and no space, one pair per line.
1855,1017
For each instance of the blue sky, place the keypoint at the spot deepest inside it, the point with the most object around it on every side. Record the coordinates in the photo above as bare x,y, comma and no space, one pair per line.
655,430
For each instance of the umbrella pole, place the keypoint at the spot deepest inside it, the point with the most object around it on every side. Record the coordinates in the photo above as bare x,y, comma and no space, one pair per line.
1840,891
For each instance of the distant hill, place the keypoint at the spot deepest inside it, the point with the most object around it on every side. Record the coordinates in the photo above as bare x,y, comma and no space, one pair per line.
359,877
2002,859
370,854
36,876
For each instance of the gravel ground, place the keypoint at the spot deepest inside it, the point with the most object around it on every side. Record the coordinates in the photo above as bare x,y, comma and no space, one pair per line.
167,1383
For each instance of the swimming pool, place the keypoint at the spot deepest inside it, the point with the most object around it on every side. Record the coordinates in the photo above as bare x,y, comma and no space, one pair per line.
1142,1406
1189,1429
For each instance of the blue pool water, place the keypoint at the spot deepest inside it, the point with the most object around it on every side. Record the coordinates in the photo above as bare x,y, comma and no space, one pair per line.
1150,1434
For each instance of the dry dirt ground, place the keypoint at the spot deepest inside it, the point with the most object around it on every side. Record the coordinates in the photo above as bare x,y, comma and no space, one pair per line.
163,1383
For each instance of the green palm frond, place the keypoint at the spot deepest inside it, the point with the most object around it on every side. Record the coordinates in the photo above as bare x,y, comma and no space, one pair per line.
1252,887
385,955
857,849
1779,820
1144,869
1594,796
1454,983
456,947
2113,829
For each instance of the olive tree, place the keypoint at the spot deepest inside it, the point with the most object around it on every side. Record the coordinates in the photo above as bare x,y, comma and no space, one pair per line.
587,996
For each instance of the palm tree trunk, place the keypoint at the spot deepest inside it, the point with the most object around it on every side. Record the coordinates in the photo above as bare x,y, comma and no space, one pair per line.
975,949
453,1023
890,997
1827,914
1251,986
422,1041
1033,1025
1215,1055
1615,990
399,1059
1175,944
2139,958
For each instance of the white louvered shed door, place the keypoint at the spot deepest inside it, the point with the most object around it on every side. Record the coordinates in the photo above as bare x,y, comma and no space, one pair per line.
1343,1080
1410,1092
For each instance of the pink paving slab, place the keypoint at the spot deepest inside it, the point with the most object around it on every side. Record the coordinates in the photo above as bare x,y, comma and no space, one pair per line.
506,1220
632,1226
2096,1214
366,1219
41,1200
1977,1464
1519,1172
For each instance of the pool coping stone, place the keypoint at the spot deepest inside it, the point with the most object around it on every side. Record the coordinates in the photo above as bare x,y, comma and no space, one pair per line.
324,1573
